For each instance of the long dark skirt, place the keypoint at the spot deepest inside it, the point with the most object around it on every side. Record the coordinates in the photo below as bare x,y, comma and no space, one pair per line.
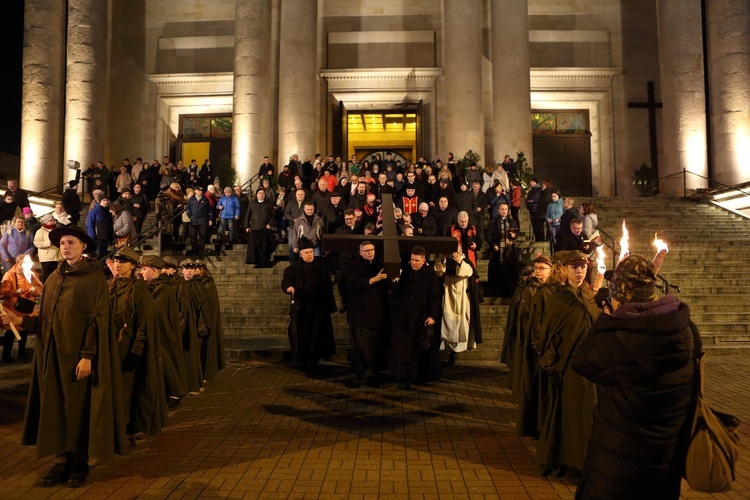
260,247
369,349
312,338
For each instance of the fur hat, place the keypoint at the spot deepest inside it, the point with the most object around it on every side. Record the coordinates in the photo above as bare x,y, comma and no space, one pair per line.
634,280
75,231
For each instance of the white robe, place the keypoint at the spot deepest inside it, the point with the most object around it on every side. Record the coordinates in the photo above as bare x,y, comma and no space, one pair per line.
456,331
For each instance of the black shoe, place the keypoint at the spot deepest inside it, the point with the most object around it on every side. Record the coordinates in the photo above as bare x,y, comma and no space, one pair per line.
356,383
78,475
173,403
452,357
56,476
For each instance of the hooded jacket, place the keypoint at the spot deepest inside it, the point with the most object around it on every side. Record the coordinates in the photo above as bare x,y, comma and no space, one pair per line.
641,359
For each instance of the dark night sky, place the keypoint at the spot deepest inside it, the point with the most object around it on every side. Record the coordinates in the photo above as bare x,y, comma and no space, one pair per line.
11,26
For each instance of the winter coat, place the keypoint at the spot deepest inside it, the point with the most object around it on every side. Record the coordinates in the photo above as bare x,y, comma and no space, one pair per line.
312,232
199,211
566,428
170,335
74,323
590,222
47,252
231,206
15,242
99,223
641,359
554,212
123,225
14,280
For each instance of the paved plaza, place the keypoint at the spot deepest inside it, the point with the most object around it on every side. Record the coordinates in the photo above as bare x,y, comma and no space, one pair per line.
266,430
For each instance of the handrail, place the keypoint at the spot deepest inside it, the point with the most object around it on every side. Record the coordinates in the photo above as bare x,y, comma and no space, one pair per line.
249,182
711,181
148,232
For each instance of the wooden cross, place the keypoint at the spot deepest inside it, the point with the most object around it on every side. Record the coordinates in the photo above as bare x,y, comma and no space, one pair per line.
389,244
652,106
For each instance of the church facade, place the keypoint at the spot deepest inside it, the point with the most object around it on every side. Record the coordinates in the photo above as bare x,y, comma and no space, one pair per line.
589,91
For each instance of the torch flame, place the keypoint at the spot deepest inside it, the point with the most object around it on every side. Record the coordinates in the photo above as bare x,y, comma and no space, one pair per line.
660,244
26,265
600,265
624,249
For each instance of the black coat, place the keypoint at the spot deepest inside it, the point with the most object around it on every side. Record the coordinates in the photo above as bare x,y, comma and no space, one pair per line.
445,219
424,226
259,215
311,334
641,359
367,304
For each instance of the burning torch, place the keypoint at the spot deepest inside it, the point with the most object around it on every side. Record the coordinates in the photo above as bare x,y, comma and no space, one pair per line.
661,252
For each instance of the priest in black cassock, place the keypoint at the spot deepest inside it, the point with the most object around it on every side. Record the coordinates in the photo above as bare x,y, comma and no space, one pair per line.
260,244
368,314
308,281
417,316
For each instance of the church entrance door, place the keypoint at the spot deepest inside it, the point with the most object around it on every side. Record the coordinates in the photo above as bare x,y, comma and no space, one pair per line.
562,150
207,137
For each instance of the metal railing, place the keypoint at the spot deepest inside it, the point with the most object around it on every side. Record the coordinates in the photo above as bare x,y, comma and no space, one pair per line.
711,182
147,233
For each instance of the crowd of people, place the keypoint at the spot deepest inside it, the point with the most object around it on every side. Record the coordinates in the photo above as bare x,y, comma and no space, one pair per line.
111,355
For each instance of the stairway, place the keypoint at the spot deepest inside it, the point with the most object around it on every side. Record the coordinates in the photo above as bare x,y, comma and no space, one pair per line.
709,249
255,310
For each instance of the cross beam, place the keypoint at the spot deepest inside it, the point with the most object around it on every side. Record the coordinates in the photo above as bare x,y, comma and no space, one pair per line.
389,244
652,106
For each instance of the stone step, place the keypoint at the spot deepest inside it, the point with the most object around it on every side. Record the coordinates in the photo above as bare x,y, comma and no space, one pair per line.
720,317
235,306
713,338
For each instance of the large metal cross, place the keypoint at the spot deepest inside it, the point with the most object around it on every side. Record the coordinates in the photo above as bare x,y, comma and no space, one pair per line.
389,244
652,106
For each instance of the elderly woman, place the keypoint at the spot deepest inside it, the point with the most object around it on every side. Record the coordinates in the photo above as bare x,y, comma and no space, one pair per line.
15,241
122,224
19,295
60,216
49,254
124,180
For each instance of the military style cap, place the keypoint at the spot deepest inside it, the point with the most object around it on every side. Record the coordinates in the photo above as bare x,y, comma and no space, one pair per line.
544,260
560,256
152,261
576,257
170,261
199,263
634,280
187,263
127,254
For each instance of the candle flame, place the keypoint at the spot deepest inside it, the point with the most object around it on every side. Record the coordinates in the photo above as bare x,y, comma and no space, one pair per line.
600,264
624,248
660,244
26,265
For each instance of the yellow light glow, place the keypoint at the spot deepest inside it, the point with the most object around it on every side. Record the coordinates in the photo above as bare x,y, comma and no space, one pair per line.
742,152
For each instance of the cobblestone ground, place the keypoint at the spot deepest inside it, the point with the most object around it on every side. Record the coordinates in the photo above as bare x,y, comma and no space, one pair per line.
265,430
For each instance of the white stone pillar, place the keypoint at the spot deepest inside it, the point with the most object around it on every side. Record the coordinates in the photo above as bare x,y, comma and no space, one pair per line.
298,80
511,87
251,130
41,102
86,81
729,84
462,40
683,93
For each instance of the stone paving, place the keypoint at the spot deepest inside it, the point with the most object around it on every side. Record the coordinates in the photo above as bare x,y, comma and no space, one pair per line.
266,430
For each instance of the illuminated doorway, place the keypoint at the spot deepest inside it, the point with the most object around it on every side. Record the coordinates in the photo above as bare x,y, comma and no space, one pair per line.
205,137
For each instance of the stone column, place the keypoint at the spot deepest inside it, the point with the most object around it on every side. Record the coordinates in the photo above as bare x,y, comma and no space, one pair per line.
462,40
86,85
683,94
298,80
41,102
251,131
511,88
729,84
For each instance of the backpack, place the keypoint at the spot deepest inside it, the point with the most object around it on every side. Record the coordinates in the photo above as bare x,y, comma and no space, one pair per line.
714,444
